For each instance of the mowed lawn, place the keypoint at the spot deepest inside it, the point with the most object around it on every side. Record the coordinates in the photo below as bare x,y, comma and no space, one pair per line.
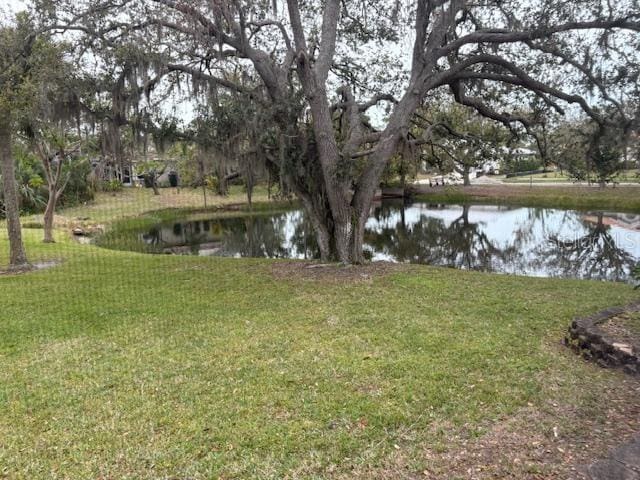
120,365
625,176
128,202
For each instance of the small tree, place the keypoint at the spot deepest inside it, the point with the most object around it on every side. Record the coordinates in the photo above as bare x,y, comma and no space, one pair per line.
568,149
457,139
53,150
605,154
49,120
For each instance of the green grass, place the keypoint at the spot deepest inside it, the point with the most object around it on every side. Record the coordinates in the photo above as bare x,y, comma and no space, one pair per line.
130,202
122,365
621,199
627,176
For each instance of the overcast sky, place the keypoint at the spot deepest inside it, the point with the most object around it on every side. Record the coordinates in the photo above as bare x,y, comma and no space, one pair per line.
11,6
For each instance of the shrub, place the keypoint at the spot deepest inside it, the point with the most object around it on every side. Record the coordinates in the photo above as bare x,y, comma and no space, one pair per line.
78,189
112,185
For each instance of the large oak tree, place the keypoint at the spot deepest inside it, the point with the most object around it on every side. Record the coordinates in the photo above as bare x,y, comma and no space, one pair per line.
318,68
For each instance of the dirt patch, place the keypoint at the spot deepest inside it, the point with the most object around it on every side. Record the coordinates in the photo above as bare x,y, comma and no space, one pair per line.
334,272
43,265
556,441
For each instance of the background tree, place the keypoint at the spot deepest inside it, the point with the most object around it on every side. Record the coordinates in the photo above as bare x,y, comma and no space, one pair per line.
458,139
18,57
587,151
605,153
54,151
568,148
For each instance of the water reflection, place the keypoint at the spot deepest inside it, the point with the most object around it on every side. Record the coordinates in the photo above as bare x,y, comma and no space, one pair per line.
525,241
432,238
597,253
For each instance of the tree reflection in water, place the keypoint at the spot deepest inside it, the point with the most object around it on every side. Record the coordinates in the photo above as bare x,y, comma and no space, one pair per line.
254,237
461,244
592,255
529,241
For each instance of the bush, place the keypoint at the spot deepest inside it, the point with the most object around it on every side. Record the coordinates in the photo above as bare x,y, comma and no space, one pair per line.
525,165
30,179
112,185
78,189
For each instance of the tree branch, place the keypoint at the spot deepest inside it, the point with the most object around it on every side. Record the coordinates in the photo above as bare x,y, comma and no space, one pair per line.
497,36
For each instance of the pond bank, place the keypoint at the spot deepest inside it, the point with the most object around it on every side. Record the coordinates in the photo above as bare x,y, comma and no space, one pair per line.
503,239
625,198
607,340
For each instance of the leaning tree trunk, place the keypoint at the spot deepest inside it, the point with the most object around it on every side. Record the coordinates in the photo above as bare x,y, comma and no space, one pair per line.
153,180
370,178
222,187
17,255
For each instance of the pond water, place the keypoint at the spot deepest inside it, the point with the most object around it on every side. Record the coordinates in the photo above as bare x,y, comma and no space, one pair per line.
514,240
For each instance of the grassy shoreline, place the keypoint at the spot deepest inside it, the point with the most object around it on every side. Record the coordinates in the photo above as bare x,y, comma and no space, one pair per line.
132,202
623,199
627,176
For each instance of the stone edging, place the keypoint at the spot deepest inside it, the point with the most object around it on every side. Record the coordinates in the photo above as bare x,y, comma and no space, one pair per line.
586,338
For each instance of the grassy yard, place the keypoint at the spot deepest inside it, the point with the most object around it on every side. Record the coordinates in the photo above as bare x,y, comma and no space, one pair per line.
627,176
129,366
625,198
109,206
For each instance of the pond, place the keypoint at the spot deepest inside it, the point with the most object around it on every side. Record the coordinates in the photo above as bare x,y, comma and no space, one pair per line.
513,240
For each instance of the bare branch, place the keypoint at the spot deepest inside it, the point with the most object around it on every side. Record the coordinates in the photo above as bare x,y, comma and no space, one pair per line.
498,36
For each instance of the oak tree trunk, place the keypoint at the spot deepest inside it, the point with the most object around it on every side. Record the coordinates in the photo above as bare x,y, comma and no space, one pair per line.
370,179
336,187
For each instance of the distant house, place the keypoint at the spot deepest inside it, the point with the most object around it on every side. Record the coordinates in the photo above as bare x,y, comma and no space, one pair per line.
130,170
106,170
491,167
518,154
